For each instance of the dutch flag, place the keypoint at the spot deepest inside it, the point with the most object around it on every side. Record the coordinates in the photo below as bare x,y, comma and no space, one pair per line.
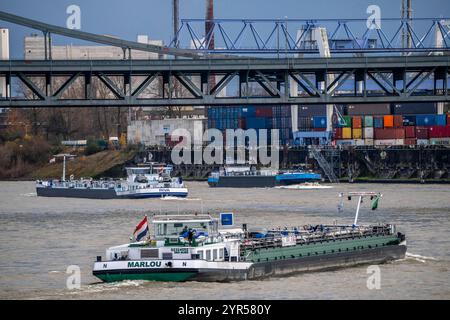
141,229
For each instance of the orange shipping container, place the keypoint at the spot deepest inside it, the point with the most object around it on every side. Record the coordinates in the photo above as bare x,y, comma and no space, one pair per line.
346,133
357,133
357,122
388,121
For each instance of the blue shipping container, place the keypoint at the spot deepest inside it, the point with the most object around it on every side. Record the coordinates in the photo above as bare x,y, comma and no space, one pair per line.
256,123
441,119
378,122
319,122
248,111
425,120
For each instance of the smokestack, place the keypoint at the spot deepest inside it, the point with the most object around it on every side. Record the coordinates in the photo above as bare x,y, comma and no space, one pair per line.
406,14
209,39
409,16
209,34
175,21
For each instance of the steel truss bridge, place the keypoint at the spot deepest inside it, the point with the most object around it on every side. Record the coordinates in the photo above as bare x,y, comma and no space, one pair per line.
416,72
293,36
356,80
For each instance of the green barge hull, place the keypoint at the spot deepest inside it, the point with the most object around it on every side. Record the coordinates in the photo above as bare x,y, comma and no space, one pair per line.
279,261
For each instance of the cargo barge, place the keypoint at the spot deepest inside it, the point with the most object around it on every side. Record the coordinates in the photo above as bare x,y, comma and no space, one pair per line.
249,177
199,248
142,182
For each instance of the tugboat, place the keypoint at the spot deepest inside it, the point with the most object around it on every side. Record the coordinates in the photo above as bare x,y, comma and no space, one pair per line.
250,177
152,181
203,248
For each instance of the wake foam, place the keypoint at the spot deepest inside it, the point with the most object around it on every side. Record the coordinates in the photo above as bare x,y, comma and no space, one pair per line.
180,199
419,257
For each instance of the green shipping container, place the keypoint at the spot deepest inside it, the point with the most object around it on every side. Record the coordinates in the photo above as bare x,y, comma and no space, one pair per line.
368,121
348,121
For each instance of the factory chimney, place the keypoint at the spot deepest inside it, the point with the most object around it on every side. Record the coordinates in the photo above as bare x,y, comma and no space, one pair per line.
406,14
209,39
175,21
209,26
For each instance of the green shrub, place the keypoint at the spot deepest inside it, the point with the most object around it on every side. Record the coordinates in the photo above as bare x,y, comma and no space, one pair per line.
92,147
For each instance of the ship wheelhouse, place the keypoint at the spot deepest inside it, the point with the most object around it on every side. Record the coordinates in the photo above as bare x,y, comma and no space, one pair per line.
187,237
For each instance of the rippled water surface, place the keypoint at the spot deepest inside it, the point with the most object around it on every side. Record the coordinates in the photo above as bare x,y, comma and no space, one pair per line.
41,237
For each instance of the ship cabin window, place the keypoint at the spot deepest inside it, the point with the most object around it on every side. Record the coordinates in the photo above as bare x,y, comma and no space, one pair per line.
200,254
208,255
214,254
180,229
149,253
220,253
167,255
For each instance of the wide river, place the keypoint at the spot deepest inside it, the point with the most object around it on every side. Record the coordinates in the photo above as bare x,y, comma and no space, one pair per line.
41,237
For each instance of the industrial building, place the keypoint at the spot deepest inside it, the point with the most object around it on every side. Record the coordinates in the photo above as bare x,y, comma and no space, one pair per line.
4,55
34,49
159,132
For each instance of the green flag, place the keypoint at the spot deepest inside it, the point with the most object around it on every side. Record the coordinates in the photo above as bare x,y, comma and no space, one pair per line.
375,203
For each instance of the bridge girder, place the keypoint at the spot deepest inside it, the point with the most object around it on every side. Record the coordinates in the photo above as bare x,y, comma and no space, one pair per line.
356,80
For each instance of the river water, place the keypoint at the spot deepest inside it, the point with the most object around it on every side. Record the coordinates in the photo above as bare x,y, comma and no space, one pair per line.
41,237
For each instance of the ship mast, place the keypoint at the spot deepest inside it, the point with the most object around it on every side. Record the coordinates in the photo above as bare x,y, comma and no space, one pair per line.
361,195
64,156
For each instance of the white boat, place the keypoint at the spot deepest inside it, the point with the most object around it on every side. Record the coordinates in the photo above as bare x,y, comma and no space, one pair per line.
152,181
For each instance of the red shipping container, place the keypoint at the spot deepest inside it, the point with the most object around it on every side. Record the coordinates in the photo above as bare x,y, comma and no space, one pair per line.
263,112
357,122
398,121
410,132
447,132
421,132
389,133
337,133
241,123
410,141
438,132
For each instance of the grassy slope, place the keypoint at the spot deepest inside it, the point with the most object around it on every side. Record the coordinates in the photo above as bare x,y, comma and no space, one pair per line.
84,166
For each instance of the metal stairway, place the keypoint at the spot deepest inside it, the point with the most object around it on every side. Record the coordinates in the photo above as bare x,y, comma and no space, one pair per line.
324,164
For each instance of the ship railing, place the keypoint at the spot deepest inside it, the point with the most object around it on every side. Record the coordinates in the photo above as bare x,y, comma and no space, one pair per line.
80,184
309,238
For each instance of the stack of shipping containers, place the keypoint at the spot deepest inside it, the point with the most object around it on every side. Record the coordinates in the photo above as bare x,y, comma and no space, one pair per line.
253,117
376,124
405,124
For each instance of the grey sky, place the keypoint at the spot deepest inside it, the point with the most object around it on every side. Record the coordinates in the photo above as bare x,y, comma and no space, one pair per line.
126,19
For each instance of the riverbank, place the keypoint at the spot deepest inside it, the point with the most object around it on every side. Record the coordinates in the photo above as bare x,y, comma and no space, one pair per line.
102,164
